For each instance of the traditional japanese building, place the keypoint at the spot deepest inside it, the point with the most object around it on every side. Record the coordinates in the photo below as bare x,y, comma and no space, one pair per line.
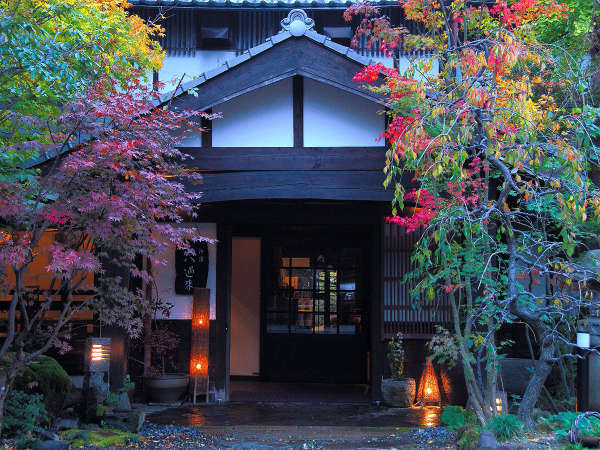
306,278
305,282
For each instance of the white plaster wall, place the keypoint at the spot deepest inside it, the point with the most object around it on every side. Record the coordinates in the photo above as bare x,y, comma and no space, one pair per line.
164,276
261,118
174,67
245,307
336,118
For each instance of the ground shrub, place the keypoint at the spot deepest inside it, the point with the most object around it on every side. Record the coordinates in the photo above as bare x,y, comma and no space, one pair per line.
45,376
504,427
468,440
456,417
562,422
99,438
24,415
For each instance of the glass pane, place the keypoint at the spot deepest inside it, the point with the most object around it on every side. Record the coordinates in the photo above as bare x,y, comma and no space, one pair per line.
301,262
348,278
319,304
320,277
284,279
351,314
278,302
277,322
285,262
319,320
302,278
333,302
333,280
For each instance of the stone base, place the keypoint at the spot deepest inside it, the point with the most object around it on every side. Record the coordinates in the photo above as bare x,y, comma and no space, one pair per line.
399,393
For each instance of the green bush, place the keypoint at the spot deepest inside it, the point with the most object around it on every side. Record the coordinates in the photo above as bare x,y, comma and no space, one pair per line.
24,414
504,427
395,356
468,440
562,422
45,376
99,438
456,417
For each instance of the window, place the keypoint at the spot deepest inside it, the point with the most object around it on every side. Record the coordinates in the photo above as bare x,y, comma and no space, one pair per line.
316,292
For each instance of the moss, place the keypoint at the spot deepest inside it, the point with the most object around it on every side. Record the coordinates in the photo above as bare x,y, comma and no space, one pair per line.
99,438
48,378
469,438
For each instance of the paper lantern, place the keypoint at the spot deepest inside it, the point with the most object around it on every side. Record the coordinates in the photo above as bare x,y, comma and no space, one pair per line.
429,390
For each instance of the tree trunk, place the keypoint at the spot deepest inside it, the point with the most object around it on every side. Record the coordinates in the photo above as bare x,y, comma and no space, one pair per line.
542,369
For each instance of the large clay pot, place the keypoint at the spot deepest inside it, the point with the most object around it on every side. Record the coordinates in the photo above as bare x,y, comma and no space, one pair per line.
399,393
168,388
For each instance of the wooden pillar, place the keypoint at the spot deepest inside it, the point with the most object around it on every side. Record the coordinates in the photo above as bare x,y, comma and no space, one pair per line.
377,351
223,298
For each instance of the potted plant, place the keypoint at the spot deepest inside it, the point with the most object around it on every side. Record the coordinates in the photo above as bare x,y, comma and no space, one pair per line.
160,385
397,391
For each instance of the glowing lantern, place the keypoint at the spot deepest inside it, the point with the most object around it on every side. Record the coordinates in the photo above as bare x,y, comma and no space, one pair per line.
499,403
200,341
98,354
429,390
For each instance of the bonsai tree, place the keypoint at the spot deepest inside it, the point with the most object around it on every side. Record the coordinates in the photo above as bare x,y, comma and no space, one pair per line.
395,356
163,342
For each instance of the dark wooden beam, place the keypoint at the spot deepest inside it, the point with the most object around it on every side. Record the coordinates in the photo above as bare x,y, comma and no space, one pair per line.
223,302
298,95
285,158
329,185
207,135
298,212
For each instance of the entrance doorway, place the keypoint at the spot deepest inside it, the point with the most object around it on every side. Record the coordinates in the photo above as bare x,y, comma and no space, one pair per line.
299,312
314,320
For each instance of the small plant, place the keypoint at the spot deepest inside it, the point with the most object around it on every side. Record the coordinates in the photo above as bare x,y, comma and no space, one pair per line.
128,384
562,422
456,417
396,356
470,438
504,427
24,414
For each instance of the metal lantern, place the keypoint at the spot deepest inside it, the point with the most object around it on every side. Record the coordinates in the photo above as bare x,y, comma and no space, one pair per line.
98,354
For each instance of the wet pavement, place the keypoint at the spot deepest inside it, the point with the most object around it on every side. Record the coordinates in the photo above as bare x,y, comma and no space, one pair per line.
304,414
296,425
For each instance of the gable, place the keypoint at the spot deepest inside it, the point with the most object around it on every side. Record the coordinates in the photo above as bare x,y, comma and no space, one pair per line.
337,118
310,55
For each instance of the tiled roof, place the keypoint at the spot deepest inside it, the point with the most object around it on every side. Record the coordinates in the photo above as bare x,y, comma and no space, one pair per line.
255,3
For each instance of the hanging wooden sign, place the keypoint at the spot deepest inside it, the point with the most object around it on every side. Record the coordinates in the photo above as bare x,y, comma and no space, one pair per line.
191,270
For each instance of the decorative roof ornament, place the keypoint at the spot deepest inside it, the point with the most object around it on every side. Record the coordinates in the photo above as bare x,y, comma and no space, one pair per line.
297,22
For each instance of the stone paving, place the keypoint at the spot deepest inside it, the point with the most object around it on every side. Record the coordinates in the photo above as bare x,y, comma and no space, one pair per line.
296,425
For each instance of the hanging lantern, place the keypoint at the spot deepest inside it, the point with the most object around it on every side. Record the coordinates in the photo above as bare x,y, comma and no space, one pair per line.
429,390
98,354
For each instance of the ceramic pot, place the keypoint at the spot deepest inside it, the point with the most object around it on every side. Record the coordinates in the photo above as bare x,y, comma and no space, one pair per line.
168,388
399,393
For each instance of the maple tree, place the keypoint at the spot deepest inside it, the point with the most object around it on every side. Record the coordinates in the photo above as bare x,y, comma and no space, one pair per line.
51,51
113,197
501,143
